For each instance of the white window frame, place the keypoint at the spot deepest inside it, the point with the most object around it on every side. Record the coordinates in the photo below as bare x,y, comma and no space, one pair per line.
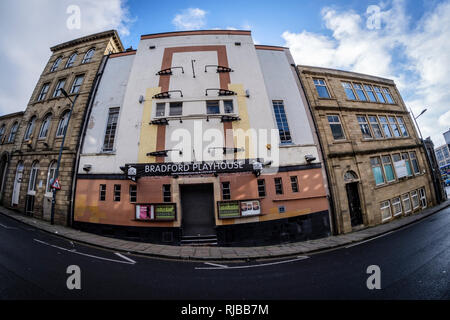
408,199
412,199
396,202
34,173
45,127
422,197
50,176
385,205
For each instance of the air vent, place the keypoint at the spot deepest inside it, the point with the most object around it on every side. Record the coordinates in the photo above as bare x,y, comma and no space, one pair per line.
152,47
281,209
237,43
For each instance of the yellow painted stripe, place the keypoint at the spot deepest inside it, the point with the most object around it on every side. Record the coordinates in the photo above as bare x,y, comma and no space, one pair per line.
147,140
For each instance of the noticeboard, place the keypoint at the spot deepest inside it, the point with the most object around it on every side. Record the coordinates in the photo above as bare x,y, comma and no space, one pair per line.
238,208
156,212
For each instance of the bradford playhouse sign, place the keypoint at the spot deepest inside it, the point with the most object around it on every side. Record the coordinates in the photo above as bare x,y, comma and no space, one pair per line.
135,171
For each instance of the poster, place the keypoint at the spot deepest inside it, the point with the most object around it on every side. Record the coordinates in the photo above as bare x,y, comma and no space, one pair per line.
400,168
229,209
144,212
165,211
250,208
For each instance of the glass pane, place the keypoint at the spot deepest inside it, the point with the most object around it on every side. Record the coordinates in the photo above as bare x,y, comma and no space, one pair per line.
378,174
228,106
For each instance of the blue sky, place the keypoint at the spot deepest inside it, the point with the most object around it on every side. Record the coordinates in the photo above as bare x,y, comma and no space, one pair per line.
404,40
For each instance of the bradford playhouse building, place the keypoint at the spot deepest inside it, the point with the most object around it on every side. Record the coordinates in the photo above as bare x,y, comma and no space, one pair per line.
203,137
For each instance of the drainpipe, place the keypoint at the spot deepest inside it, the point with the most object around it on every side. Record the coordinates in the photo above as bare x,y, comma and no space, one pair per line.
82,135
330,197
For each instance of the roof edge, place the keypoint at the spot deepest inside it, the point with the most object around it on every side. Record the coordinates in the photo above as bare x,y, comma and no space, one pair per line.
10,115
103,34
195,33
269,47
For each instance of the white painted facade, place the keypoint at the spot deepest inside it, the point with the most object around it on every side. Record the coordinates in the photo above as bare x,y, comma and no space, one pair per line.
266,75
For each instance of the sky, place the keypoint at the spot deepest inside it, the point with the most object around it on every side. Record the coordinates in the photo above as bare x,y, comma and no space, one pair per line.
403,40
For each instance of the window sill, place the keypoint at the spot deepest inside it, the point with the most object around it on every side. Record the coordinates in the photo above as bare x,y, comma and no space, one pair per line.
398,181
382,103
385,139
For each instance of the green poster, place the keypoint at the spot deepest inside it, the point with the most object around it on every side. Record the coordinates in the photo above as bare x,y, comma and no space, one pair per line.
229,209
165,212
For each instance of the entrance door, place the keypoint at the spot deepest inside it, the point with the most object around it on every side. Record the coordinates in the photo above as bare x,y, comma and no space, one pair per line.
197,203
354,204
3,170
17,183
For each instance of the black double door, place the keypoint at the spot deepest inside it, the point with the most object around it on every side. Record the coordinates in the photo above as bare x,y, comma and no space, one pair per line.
197,203
354,204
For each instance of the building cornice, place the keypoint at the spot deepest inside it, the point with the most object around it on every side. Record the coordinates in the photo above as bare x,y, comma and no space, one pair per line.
372,151
12,115
266,47
92,37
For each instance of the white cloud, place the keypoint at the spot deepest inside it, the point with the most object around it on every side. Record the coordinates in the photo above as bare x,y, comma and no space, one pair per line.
417,58
190,19
30,28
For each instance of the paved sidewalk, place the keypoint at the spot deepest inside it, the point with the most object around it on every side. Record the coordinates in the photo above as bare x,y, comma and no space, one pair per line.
222,253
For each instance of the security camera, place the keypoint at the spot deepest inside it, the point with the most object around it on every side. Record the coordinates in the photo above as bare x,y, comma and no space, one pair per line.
87,167
310,158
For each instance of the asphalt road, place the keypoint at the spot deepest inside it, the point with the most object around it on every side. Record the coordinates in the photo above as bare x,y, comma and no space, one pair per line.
414,264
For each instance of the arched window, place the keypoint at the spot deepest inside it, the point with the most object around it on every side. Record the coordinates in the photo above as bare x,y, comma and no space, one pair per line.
88,56
71,60
51,175
350,176
62,125
12,133
30,128
2,133
33,176
56,64
45,126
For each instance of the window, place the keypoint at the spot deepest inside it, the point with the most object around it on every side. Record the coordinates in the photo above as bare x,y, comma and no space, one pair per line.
176,109
336,127
56,64
160,109
261,188
415,199
2,132
30,128
359,92
370,93
167,194
13,132
406,203
50,176
278,186
388,95
88,56
226,193
77,84
408,164
362,120
348,90
379,94
385,126
375,127
385,208
62,125
58,88
377,171
394,127
102,192
117,188
396,206
212,107
33,176
71,60
415,163
388,169
283,127
402,126
133,193
423,198
228,106
111,126
45,125
43,92
321,88
294,184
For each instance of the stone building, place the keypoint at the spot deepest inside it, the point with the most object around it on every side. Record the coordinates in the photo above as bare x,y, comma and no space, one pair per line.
376,163
173,116
73,66
9,125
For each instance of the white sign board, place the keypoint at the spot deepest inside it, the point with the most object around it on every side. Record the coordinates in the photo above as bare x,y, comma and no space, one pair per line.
250,208
400,168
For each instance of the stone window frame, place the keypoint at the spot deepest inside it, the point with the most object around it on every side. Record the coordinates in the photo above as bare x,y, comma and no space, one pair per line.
383,206
317,82
44,91
344,138
45,122
56,64
13,132
86,58
71,61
